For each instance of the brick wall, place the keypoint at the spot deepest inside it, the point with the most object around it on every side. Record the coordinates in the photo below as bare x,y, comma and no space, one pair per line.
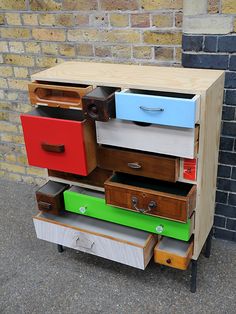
37,34
214,47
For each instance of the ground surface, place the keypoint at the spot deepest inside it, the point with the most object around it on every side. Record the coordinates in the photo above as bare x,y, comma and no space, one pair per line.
35,278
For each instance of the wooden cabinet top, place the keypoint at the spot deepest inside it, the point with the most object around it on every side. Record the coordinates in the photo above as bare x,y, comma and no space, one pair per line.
171,79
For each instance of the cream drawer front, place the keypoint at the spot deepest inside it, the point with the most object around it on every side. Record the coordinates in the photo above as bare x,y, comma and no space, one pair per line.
173,141
118,243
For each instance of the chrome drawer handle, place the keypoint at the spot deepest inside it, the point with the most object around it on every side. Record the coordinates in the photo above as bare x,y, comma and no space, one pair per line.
134,165
151,205
151,109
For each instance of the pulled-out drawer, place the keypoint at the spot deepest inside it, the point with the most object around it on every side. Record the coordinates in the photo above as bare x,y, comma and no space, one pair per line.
173,109
92,204
99,104
60,95
117,243
173,253
138,163
50,197
180,142
60,139
152,197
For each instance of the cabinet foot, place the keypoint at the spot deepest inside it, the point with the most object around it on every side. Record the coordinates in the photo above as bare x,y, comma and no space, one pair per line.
207,252
60,248
193,283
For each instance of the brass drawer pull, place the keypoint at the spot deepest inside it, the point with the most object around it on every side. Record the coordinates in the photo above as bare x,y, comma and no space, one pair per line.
151,205
134,165
150,109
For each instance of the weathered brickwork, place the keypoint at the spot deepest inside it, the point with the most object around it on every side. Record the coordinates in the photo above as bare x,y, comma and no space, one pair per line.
39,34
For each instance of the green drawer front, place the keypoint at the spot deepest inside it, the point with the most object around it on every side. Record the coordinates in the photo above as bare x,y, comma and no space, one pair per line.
95,207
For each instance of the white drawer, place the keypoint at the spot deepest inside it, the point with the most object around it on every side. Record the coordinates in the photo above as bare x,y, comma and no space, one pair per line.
118,243
181,142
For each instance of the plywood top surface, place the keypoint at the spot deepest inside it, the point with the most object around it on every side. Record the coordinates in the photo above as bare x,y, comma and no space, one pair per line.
131,76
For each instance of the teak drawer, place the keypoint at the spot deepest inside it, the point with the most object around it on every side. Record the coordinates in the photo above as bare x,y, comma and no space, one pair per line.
59,139
180,110
92,204
50,197
57,94
117,243
174,201
180,142
173,253
138,163
99,104
96,178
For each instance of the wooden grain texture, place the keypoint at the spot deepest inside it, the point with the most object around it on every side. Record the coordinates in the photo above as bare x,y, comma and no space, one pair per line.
131,76
170,206
153,138
133,254
57,95
96,178
138,163
209,138
175,260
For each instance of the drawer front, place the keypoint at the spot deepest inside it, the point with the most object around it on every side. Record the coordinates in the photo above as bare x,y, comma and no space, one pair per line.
60,95
132,254
96,208
149,201
181,142
100,103
58,144
137,163
173,253
161,110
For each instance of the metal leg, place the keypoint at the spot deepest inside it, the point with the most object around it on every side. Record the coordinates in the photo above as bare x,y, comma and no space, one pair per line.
60,248
193,286
207,252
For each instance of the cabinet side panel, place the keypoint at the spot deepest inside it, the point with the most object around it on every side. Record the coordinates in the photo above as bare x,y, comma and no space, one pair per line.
211,111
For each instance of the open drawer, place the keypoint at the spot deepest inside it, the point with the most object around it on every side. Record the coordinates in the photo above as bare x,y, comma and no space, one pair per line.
173,253
114,242
173,109
174,141
61,95
92,204
174,201
59,139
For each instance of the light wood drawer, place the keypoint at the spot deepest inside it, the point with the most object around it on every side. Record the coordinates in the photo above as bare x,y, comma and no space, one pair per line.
138,163
174,201
180,142
118,243
173,109
173,253
61,95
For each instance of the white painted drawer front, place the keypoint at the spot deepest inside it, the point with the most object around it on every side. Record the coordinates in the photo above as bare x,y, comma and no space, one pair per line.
154,138
118,243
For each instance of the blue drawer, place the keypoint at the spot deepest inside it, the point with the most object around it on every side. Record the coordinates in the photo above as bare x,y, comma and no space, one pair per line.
181,110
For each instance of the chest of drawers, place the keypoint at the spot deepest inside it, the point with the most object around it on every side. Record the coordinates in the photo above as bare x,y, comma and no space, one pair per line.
136,150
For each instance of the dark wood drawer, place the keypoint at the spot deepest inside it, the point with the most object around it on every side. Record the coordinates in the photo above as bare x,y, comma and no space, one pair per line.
60,139
174,201
57,94
99,104
50,197
138,163
173,253
96,178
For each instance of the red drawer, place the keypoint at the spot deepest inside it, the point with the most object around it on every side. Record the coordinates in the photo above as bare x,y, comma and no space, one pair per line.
60,139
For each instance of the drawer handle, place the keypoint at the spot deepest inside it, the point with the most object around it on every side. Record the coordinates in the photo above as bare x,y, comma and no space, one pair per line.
55,148
44,205
134,165
88,246
151,109
151,205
